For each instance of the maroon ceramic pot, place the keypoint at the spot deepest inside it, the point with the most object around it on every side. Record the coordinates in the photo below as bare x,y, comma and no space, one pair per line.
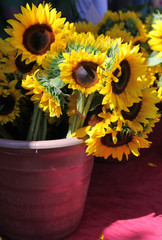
43,188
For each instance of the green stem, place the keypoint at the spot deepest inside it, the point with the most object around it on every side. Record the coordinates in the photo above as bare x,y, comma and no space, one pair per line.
33,122
82,108
78,115
86,108
37,126
71,127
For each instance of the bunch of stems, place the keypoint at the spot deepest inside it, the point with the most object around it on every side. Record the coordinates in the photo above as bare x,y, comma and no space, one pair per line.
38,126
82,108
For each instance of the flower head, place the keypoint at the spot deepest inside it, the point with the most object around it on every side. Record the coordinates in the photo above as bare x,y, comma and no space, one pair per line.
41,95
142,112
9,101
155,36
115,144
123,82
82,70
36,31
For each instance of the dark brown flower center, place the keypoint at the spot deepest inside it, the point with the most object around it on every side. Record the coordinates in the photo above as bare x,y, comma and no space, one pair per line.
119,87
134,110
123,139
22,66
6,105
85,74
38,38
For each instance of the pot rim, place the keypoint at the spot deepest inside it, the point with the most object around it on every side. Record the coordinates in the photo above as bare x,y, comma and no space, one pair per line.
45,144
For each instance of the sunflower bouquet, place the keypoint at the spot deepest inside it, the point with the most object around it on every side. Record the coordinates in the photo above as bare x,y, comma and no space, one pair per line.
60,80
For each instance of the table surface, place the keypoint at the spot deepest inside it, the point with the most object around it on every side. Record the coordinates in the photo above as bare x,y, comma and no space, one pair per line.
124,200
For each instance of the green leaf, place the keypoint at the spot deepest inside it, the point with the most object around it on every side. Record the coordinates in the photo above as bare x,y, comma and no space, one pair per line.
153,60
160,81
56,82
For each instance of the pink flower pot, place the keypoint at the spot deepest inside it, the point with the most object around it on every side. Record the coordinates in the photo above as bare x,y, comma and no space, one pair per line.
43,188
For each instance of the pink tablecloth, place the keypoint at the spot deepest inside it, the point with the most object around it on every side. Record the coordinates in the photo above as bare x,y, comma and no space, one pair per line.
125,199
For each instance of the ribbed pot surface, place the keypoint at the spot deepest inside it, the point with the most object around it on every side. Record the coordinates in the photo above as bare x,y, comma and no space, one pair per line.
43,188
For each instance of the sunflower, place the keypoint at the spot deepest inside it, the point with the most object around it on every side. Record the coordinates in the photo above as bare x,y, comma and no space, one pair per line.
154,78
81,40
123,80
75,42
109,19
69,28
159,91
148,128
9,62
41,95
4,47
89,41
151,78
115,143
82,70
141,112
3,53
155,36
94,120
85,27
116,32
9,102
14,64
148,23
133,24
104,43
37,31
139,40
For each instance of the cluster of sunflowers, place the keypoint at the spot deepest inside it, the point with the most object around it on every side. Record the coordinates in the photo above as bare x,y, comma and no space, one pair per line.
100,83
